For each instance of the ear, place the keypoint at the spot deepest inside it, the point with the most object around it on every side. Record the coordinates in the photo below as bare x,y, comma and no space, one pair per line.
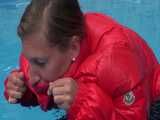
75,46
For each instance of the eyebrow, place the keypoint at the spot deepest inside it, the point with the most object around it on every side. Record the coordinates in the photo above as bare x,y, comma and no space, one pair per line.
32,58
39,58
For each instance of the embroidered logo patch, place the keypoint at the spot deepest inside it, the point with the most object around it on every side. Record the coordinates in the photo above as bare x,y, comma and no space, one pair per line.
129,98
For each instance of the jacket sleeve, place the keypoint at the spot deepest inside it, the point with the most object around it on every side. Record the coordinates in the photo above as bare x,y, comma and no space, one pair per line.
122,74
91,104
28,99
118,90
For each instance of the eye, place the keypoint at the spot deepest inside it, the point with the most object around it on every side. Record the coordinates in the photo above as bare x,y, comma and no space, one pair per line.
38,62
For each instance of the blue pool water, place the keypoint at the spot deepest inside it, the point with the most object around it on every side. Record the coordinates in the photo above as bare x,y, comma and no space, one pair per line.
141,15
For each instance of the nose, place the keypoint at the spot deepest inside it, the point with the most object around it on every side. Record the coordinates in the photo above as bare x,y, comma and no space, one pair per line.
34,77
35,80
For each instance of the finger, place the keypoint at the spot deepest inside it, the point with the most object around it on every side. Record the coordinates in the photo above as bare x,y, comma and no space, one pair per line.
20,75
61,82
49,91
67,89
58,91
64,106
58,83
15,94
60,99
11,86
16,78
12,100
18,81
54,90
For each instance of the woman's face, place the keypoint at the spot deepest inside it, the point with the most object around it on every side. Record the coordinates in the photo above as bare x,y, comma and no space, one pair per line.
46,63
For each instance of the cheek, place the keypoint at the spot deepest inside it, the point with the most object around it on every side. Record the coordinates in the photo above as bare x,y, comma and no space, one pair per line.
50,72
54,71
56,67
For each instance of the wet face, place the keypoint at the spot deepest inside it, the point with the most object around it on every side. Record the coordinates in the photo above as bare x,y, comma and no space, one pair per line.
46,63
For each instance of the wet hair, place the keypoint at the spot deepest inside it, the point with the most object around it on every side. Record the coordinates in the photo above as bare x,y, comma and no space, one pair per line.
58,20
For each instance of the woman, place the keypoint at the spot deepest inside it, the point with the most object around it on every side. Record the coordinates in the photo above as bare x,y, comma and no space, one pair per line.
88,64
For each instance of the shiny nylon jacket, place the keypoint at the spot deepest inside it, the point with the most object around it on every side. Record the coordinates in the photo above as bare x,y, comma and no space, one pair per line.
114,72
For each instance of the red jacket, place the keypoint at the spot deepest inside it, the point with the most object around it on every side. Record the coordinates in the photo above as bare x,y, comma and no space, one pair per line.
114,72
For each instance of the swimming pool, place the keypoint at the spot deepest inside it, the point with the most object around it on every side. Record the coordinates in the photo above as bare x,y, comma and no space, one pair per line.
144,19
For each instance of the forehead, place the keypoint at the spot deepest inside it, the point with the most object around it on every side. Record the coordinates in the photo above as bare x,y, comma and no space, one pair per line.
35,45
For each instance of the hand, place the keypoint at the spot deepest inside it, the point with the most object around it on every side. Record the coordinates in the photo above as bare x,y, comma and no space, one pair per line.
63,91
15,86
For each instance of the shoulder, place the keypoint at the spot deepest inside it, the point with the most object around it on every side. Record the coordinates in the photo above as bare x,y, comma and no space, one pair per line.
98,17
102,30
102,22
116,69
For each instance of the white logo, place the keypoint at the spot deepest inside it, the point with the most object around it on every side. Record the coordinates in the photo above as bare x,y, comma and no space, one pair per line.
129,98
